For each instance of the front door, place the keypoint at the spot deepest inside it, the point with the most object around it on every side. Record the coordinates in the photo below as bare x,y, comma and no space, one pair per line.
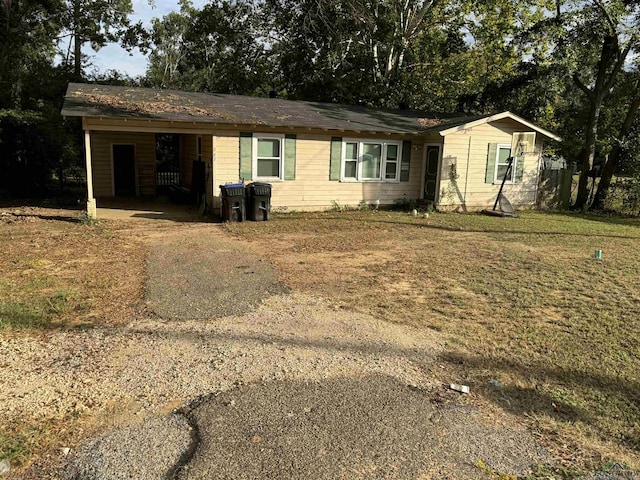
431,173
124,170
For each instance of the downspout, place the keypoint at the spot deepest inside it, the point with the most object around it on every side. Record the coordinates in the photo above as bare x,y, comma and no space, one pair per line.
466,177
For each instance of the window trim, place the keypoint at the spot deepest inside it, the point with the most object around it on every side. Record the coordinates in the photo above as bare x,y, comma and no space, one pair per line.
496,180
254,155
383,160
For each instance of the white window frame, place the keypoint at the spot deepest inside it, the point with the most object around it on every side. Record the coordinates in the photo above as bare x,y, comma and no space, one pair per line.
497,180
254,154
383,162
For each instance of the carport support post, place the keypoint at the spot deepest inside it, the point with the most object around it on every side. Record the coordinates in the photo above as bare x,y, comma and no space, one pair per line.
91,202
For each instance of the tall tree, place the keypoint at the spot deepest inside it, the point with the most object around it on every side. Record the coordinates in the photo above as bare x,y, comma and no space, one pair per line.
605,26
168,50
97,22
617,152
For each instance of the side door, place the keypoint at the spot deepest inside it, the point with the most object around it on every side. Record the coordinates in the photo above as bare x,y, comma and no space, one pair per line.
124,170
431,173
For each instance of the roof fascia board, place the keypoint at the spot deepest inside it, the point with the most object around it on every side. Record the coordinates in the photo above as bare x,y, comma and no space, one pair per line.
500,116
178,126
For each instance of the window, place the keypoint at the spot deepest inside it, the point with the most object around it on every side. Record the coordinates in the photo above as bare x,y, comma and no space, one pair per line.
367,160
391,166
502,164
268,157
199,148
351,160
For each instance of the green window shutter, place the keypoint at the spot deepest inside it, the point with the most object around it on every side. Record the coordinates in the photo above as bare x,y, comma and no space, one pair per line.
519,168
246,155
491,163
336,158
290,157
406,161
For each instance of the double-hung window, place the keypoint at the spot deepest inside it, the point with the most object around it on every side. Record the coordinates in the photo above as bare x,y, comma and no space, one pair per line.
503,153
268,157
370,160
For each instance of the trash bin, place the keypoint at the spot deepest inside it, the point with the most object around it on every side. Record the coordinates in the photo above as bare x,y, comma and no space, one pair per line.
259,201
233,205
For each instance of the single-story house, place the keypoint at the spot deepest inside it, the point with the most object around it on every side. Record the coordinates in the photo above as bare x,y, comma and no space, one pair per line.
314,154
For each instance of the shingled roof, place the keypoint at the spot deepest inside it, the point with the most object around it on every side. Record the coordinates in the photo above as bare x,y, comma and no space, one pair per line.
90,100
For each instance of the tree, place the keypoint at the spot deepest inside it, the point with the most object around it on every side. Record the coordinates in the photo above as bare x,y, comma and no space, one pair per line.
27,29
167,37
604,26
618,150
97,22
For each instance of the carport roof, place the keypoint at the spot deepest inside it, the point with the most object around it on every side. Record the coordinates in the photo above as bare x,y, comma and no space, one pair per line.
90,100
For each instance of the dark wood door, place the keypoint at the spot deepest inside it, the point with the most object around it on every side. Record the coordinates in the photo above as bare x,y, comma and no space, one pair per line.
124,170
431,173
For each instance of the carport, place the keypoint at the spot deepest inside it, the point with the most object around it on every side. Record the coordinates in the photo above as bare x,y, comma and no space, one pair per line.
140,208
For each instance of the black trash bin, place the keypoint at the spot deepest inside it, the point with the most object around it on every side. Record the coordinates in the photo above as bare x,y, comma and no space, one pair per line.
233,204
259,201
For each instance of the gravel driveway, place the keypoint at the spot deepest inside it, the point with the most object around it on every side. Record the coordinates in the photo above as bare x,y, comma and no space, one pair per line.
199,277
282,385
367,427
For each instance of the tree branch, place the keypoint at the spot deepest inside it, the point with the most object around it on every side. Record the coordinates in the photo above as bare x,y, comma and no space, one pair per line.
613,25
619,64
582,86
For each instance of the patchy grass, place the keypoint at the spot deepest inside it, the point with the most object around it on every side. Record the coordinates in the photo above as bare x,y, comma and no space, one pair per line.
522,301
18,440
58,271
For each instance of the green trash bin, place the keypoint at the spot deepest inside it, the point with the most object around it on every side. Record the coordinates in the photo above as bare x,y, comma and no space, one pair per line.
233,202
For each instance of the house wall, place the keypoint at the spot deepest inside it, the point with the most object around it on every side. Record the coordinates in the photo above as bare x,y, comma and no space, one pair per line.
312,189
468,149
101,153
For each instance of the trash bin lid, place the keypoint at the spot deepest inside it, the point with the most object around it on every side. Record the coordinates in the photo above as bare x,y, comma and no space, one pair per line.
233,185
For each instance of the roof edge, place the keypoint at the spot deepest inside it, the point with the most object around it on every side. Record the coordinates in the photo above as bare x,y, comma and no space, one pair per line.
500,116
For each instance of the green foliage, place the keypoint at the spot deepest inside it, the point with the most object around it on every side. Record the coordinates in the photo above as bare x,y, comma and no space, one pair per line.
19,315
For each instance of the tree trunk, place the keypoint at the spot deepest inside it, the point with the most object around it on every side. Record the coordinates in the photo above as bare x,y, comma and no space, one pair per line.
77,43
588,154
610,55
614,157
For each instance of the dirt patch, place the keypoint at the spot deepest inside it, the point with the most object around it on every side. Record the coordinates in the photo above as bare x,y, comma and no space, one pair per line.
60,271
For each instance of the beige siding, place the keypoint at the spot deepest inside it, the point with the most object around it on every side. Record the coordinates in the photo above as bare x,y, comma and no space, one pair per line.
101,153
468,151
312,189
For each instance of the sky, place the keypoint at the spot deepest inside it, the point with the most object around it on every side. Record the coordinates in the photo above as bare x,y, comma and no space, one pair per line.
113,57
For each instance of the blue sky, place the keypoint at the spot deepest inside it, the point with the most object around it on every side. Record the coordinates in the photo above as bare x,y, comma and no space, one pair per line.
116,58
